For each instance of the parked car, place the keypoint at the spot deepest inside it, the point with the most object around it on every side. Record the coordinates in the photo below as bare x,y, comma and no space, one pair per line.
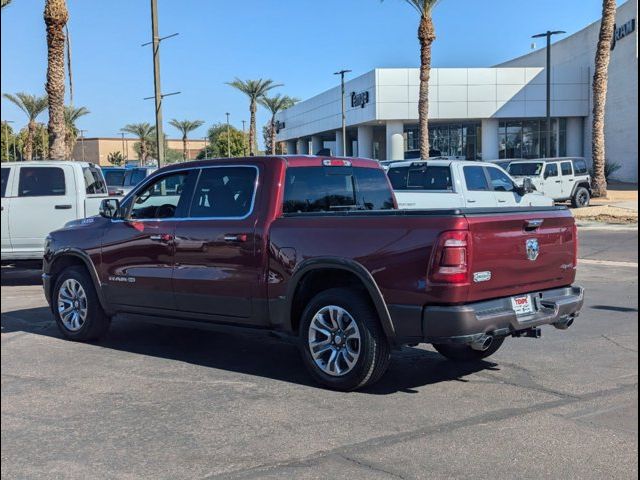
121,180
455,184
562,179
38,197
504,162
313,248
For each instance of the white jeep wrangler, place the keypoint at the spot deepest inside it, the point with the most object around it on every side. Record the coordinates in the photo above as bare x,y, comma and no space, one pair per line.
564,178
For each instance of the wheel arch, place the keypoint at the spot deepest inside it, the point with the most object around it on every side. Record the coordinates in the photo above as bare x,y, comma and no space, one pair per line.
69,258
318,274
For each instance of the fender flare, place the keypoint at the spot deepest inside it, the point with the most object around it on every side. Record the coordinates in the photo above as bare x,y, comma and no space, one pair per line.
577,185
351,266
89,265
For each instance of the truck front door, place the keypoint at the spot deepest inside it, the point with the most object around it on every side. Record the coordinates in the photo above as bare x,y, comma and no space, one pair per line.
218,262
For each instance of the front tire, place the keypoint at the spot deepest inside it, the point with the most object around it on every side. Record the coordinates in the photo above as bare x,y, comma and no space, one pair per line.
341,340
76,307
464,353
581,198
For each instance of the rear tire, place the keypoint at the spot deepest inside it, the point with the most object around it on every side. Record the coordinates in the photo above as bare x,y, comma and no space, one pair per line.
341,340
581,198
76,307
464,353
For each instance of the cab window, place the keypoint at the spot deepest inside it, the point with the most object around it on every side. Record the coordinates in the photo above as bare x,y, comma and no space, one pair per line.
5,180
224,192
163,198
476,179
567,169
500,181
41,182
580,167
551,170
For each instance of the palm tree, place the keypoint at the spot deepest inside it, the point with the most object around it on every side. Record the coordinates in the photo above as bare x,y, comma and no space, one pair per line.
55,18
71,115
33,106
426,36
185,127
600,76
255,90
276,104
5,3
144,132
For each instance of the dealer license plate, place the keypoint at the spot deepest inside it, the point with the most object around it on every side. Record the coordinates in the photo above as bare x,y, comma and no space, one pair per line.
522,305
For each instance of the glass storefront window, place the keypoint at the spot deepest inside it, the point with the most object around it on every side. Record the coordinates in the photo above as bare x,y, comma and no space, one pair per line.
528,138
460,139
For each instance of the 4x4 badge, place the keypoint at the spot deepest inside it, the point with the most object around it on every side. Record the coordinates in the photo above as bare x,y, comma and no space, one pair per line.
533,249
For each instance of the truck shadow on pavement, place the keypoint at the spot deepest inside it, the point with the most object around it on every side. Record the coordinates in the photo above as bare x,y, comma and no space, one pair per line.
250,354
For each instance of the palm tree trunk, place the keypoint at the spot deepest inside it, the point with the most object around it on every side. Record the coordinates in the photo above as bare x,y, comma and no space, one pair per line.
28,147
55,16
252,127
184,148
426,36
600,76
273,135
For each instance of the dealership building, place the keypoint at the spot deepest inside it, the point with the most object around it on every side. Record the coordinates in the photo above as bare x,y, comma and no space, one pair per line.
484,113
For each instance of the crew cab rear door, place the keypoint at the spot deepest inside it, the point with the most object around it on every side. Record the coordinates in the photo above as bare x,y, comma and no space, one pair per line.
217,263
520,252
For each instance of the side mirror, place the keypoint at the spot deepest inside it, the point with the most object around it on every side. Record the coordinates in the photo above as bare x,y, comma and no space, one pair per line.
527,186
110,208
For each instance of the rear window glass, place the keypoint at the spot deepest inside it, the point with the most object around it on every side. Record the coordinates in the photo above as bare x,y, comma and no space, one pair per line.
41,182
94,181
566,168
114,178
475,179
134,177
5,180
224,192
421,178
580,167
525,169
330,189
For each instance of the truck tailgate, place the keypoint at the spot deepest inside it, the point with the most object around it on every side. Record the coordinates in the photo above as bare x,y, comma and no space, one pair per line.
504,258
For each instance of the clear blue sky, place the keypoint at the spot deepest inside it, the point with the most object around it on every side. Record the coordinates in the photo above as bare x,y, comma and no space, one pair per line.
296,42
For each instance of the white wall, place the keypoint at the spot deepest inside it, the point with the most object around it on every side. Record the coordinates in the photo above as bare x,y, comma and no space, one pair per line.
621,117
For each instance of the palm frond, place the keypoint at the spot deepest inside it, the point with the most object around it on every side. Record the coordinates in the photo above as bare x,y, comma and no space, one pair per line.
186,126
31,105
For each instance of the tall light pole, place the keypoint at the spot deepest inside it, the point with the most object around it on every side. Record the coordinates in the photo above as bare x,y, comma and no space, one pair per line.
82,143
344,117
228,137
548,34
125,155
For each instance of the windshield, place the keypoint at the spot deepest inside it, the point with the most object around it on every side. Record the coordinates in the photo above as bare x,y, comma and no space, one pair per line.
114,178
94,181
525,169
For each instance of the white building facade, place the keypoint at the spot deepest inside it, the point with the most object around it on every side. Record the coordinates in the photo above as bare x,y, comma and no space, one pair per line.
483,113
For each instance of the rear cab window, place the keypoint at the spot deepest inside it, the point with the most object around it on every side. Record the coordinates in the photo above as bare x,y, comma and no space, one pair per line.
5,180
94,181
41,182
114,177
476,179
333,189
423,177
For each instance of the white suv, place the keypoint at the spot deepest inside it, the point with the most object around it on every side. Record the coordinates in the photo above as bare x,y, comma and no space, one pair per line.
564,178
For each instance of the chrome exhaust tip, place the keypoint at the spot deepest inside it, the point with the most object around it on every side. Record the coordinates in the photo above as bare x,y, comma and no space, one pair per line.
564,323
482,343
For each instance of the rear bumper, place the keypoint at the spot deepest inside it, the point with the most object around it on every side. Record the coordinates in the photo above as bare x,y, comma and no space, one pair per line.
466,323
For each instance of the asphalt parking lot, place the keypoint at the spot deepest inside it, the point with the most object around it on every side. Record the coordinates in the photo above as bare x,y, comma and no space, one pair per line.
169,403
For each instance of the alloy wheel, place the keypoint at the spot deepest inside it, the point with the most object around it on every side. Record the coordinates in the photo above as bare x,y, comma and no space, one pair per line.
72,305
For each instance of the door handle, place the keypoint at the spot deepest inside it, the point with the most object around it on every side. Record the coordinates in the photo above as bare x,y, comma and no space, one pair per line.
502,201
558,181
62,207
235,238
163,237
571,180
470,201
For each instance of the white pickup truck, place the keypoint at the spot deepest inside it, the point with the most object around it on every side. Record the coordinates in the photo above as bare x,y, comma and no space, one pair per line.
427,184
42,196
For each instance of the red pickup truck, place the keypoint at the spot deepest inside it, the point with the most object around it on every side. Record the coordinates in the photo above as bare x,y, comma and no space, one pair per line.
314,248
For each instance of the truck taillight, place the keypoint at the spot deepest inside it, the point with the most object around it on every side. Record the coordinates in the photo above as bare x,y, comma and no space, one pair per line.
575,248
451,259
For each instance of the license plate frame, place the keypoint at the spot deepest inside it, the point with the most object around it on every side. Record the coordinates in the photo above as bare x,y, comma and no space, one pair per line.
522,305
